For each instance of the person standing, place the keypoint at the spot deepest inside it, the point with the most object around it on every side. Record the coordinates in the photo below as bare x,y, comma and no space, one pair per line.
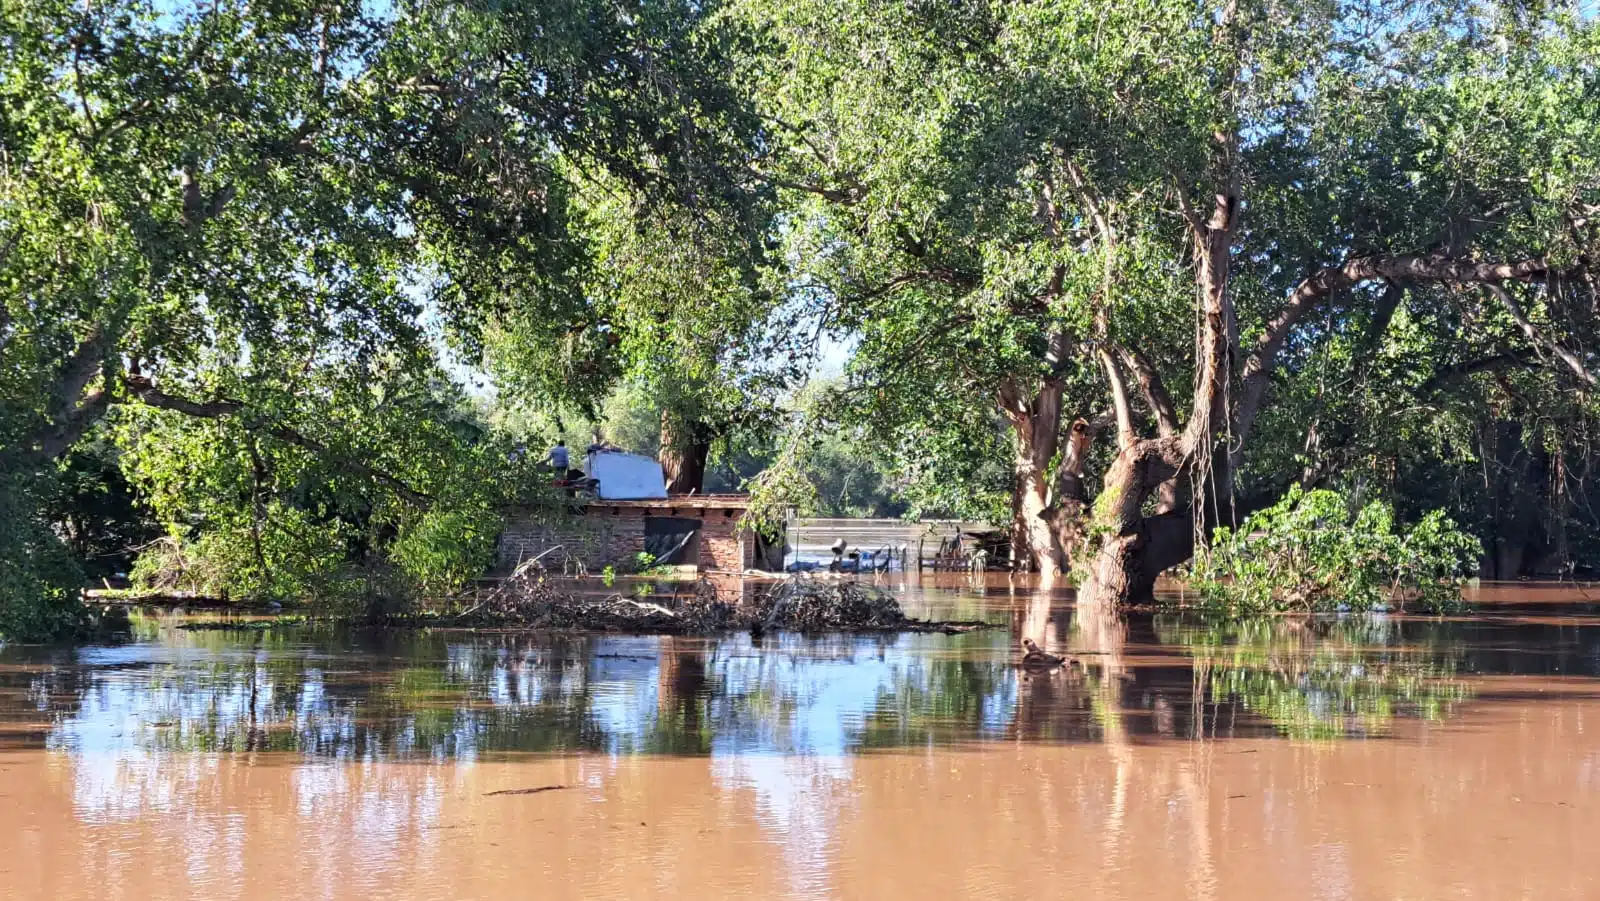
559,459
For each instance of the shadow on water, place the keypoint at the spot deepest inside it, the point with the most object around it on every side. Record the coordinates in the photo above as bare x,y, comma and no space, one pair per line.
342,694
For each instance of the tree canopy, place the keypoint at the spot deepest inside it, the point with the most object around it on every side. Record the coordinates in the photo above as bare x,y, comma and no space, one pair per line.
1122,273
250,214
1065,213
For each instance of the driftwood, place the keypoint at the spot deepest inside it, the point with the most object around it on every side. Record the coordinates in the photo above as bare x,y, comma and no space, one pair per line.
529,599
525,791
806,604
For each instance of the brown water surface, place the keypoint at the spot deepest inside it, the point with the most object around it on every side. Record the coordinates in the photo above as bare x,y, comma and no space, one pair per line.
1185,757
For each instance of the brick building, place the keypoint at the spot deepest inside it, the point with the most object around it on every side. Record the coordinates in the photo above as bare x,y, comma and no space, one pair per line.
701,531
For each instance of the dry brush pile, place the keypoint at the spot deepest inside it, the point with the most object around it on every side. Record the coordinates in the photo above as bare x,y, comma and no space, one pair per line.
529,598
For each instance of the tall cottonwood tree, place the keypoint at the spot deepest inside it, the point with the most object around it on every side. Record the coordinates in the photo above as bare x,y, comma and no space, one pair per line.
1080,208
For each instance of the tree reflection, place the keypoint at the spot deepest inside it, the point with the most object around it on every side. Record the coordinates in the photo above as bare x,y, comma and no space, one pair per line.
942,701
382,695
1321,679
682,724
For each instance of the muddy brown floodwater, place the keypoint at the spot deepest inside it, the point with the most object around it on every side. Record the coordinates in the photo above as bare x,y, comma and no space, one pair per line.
1356,758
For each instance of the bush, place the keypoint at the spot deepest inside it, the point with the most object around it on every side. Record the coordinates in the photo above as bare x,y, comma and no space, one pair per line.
1309,552
443,550
39,582
284,555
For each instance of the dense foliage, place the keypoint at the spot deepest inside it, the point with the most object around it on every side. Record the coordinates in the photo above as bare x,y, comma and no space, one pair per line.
1315,551
227,210
38,576
1313,217
383,471
1119,274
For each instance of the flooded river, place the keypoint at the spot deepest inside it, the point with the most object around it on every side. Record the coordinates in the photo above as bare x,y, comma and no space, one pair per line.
1181,757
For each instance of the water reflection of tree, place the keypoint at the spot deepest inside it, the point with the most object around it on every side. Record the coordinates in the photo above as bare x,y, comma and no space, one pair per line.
330,693
1322,678
940,700
682,724
352,695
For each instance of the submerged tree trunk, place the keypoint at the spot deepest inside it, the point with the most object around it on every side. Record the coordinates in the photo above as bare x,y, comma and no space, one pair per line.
685,448
1525,497
1135,547
1035,433
1034,544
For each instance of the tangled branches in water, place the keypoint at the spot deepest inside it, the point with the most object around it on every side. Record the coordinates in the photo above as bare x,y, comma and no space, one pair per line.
529,599
807,604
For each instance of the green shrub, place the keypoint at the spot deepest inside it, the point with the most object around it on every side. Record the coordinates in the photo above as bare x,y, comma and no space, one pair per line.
1311,552
39,582
443,550
284,554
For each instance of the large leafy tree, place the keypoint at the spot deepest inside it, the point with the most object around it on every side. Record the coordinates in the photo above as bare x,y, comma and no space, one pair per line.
210,208
1078,208
672,307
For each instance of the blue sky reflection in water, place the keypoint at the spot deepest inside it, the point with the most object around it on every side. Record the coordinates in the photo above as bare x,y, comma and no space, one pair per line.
335,693
1359,759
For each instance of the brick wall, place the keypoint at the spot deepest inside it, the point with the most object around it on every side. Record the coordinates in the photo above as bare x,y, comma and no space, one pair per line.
596,539
609,536
722,547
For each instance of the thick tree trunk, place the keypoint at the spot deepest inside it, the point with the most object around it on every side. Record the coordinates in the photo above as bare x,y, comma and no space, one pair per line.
1035,433
1035,544
1135,548
683,455
1069,510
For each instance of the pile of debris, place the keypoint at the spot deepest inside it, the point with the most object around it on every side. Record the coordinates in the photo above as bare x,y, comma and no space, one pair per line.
805,604
529,599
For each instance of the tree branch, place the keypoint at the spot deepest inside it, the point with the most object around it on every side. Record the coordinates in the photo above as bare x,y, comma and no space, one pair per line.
1535,337
1443,377
849,195
1456,234
71,425
1312,291
1155,391
78,371
147,394
1126,433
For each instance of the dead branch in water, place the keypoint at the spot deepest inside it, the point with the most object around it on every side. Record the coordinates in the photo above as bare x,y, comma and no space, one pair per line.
525,791
529,598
